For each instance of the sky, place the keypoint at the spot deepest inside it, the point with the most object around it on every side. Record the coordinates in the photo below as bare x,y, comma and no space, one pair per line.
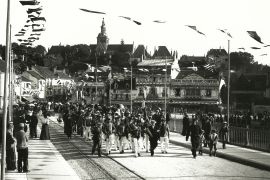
67,25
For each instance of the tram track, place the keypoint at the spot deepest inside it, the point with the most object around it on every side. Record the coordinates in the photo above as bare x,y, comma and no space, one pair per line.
103,167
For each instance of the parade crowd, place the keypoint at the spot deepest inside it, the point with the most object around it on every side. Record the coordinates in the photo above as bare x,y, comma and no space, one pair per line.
115,126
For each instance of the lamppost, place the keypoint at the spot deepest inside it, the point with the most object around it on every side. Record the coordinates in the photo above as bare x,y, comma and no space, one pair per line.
165,90
229,77
96,74
130,85
4,121
110,78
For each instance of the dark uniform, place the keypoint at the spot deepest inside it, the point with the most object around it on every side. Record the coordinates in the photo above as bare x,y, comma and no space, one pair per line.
153,133
185,124
194,132
97,138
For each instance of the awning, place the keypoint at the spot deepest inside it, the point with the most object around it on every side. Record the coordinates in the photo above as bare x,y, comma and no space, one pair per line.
28,99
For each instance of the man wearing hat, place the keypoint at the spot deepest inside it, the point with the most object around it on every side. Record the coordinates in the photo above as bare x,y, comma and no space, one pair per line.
224,134
194,132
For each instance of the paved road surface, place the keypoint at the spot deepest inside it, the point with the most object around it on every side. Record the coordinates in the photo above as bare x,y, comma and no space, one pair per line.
177,164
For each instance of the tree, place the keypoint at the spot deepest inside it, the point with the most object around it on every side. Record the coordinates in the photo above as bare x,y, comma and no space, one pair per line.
241,60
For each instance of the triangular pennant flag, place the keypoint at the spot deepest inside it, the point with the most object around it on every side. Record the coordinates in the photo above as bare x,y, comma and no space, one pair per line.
90,11
29,11
195,29
241,48
159,21
31,3
255,48
38,19
225,32
255,36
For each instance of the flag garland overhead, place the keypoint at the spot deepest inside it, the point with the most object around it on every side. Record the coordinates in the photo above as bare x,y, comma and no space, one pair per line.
99,12
255,48
225,32
195,29
255,36
34,20
31,3
128,18
90,11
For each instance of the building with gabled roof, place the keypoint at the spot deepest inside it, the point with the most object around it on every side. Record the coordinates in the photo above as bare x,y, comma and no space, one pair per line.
217,57
162,52
250,89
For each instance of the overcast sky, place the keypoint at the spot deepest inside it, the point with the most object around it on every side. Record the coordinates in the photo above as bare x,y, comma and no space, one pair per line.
66,24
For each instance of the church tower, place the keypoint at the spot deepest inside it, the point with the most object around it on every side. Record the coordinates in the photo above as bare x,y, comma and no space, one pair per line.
102,40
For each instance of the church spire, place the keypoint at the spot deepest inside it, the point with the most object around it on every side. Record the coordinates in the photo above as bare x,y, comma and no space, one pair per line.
103,28
102,39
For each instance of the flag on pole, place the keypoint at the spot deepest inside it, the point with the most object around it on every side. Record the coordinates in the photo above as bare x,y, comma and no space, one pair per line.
255,36
209,67
221,83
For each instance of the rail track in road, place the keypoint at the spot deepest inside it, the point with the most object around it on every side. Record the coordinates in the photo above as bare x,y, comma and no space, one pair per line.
78,153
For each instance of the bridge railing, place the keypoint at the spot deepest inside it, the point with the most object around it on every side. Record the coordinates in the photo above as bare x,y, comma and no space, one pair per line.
252,138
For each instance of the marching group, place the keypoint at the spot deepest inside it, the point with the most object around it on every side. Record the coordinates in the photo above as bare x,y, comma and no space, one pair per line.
117,126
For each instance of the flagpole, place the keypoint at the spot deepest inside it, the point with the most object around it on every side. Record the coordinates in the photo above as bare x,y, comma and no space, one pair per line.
229,74
165,108
96,76
10,81
4,122
131,88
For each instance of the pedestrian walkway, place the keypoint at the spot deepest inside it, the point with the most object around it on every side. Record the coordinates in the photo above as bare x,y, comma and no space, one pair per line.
245,156
45,162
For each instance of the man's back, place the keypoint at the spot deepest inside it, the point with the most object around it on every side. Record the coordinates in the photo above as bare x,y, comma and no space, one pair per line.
21,139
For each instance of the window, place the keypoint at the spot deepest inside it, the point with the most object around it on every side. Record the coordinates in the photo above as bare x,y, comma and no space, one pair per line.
208,93
193,92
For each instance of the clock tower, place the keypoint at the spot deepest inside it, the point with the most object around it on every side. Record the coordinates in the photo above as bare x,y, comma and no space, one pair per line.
102,40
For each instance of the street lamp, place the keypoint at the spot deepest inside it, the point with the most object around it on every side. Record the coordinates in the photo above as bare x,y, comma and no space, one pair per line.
110,78
130,85
229,76
96,74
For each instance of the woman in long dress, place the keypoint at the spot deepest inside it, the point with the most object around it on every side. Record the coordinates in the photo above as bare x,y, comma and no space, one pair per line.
45,133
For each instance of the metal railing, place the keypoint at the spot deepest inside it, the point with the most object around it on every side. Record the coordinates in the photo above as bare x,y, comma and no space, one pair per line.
251,138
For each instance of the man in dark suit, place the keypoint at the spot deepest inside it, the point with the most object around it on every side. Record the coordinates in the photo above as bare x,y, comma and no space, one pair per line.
194,132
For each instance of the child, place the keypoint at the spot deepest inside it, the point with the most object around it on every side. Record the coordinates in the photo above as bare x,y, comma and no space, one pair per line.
202,139
213,142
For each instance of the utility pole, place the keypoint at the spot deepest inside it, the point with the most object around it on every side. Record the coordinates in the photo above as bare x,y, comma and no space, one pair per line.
5,108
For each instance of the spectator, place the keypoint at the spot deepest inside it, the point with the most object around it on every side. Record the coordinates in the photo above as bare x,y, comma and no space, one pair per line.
10,149
213,142
22,149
